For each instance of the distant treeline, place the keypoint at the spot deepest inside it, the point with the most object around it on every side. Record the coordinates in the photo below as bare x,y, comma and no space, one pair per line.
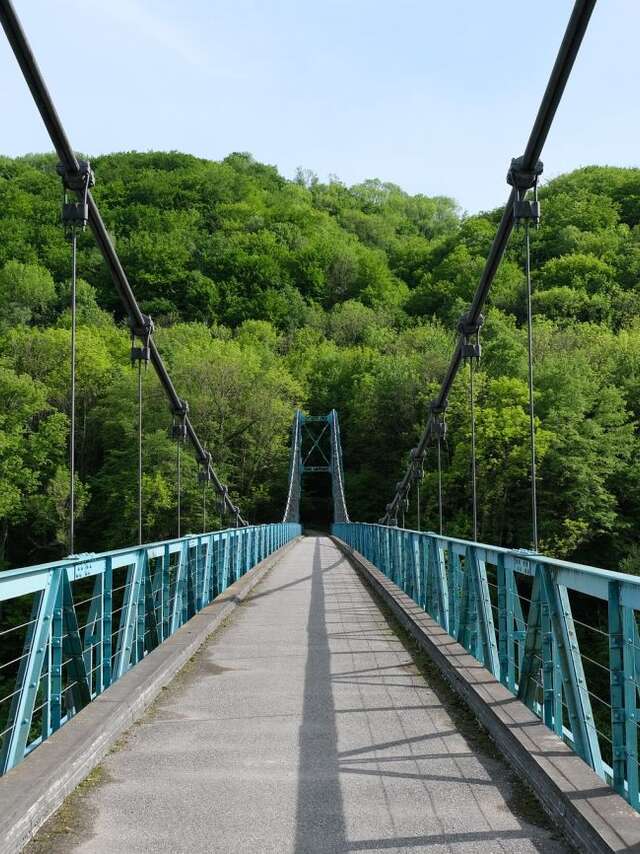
268,294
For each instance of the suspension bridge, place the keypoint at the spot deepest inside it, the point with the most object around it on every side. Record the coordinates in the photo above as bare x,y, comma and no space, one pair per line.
376,689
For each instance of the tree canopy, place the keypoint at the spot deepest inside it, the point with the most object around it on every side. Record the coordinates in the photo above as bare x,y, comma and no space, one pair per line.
269,294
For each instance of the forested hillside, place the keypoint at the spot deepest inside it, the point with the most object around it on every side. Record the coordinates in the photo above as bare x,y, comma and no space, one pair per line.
269,293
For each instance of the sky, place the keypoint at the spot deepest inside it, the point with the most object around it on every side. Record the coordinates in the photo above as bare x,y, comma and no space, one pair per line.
433,95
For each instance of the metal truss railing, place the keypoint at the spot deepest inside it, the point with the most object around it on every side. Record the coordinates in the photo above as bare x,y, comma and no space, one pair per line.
70,629
563,637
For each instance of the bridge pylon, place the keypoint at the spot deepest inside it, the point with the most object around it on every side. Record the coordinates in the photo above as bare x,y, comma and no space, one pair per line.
315,447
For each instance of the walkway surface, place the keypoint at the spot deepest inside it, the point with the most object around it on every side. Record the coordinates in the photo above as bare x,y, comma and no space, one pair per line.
302,726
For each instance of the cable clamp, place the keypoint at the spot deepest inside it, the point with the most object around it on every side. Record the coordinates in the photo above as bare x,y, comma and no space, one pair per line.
525,210
144,333
76,214
204,475
417,463
438,419
179,426
470,332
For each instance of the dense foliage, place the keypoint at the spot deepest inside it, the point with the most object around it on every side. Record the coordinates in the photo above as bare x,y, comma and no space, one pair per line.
268,294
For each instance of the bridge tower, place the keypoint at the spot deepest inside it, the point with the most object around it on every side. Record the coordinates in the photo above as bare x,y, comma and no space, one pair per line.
315,447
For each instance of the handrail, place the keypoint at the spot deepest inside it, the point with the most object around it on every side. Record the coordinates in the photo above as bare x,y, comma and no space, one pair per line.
72,627
562,636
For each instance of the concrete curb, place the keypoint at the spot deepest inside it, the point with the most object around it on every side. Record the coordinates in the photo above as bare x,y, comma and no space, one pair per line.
33,791
592,816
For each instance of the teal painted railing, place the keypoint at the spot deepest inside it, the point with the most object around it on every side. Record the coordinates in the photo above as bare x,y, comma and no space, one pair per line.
563,637
70,629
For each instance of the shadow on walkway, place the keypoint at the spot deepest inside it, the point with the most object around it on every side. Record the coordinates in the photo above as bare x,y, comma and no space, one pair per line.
320,823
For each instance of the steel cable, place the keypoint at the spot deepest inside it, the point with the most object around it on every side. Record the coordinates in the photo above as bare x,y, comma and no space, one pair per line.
532,420
178,484
440,509
72,437
572,39
474,486
140,451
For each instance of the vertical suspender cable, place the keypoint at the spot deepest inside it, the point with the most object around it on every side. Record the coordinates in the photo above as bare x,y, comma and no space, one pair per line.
72,437
74,217
525,212
532,418
418,501
140,451
179,433
474,485
204,507
440,511
139,355
178,483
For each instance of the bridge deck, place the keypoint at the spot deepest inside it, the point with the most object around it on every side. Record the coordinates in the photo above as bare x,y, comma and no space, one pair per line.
304,726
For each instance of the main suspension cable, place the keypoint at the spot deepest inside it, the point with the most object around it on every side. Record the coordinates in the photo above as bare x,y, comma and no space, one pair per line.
72,170
572,39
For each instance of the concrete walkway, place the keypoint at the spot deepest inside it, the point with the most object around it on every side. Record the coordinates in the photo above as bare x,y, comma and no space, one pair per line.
303,726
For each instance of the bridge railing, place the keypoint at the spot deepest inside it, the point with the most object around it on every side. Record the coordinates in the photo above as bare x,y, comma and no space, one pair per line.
70,629
561,636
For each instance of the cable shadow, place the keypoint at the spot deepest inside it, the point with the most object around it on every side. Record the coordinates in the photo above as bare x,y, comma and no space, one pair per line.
320,821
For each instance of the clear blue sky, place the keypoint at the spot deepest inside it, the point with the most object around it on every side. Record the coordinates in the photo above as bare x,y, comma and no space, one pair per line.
434,95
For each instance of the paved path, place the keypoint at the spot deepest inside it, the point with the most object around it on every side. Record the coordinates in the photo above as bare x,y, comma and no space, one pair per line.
303,726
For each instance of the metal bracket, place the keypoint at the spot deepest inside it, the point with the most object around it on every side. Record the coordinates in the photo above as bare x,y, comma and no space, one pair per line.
417,463
76,214
204,475
438,420
144,333
469,330
179,426
525,210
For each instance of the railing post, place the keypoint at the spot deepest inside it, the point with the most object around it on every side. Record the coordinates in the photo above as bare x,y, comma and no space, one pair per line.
439,576
107,622
57,631
551,684
30,670
505,628
484,612
578,702
630,634
138,645
617,682
166,566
